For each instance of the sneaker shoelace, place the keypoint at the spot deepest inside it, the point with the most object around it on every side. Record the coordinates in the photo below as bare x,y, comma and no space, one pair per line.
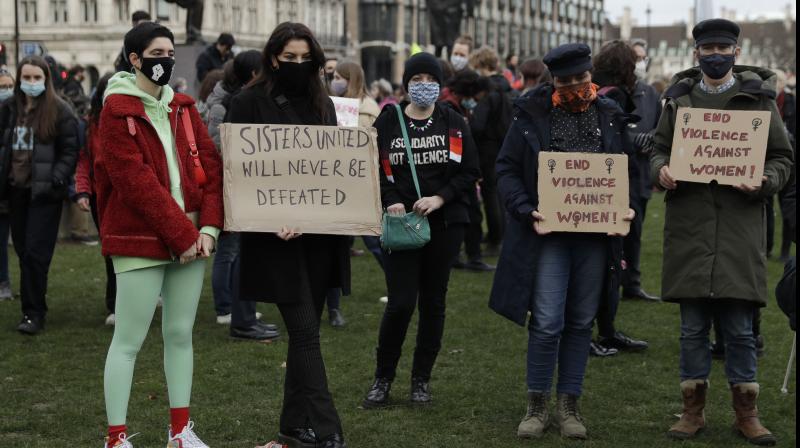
123,438
189,438
570,407
537,408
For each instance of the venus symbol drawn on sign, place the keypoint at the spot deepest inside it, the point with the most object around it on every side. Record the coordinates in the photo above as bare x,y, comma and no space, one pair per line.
686,118
551,164
609,164
756,123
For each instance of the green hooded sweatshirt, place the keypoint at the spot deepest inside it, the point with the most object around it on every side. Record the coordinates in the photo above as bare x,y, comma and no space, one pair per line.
157,110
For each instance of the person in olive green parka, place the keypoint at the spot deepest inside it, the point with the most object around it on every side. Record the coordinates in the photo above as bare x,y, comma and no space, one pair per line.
715,235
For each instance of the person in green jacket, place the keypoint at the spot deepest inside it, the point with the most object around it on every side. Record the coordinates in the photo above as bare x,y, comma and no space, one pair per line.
714,235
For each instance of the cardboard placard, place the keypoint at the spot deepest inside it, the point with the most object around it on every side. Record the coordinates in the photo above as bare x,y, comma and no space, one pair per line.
727,146
583,192
317,179
346,111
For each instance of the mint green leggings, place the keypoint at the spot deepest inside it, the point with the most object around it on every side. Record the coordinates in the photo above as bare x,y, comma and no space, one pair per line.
137,298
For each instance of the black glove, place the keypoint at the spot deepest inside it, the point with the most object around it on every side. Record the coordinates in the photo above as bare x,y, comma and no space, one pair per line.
643,142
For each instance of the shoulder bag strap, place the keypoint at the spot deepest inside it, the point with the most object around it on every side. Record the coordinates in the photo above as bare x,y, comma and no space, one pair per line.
408,149
199,172
286,106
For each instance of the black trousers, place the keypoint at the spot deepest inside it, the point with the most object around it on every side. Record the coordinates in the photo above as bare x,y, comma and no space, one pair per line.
417,278
111,277
495,222
474,231
632,249
34,230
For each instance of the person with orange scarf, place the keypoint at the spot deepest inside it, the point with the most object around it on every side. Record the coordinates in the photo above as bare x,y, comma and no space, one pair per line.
559,278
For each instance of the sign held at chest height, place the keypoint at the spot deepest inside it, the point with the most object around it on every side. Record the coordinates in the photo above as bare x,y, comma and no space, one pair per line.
317,179
583,192
727,146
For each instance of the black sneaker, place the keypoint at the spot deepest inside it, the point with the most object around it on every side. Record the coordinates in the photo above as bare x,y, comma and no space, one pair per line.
622,342
420,391
30,326
298,438
640,294
266,326
254,332
378,395
600,351
478,266
333,441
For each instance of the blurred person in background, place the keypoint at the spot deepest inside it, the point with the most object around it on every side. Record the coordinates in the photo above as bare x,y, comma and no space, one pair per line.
533,72
215,56
6,93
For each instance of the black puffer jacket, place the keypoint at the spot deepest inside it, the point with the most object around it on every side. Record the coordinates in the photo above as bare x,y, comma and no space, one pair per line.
53,163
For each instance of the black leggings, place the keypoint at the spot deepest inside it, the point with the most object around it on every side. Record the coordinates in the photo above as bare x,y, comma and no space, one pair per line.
306,399
422,273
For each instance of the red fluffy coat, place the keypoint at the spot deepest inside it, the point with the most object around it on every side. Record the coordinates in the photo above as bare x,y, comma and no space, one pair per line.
138,215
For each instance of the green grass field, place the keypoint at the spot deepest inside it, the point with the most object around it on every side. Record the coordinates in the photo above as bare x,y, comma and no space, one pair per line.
51,386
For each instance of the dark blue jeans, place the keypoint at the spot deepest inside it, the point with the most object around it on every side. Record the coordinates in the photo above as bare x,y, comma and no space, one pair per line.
4,226
224,276
569,280
735,321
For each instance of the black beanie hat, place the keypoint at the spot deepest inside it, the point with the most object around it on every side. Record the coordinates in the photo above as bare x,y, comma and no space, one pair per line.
422,63
139,37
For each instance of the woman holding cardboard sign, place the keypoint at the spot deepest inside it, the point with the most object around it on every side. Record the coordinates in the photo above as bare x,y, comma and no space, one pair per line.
559,278
434,183
288,268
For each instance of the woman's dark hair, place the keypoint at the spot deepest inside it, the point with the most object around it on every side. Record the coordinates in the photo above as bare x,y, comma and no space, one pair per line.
534,70
615,64
281,36
209,82
447,70
97,99
43,117
244,65
469,83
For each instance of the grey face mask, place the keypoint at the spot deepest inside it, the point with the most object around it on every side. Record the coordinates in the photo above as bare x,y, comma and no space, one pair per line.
423,94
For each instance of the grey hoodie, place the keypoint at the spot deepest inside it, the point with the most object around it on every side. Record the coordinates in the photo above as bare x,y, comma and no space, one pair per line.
216,112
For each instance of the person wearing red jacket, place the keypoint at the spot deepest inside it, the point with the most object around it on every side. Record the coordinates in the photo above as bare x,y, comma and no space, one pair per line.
158,179
86,197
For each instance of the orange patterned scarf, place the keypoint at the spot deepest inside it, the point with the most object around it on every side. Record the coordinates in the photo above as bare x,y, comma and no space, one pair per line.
575,98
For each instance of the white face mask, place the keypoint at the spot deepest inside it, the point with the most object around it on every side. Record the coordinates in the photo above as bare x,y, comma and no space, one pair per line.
641,69
459,62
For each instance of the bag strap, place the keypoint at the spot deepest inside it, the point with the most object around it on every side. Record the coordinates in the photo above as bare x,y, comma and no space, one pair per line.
408,149
199,172
286,106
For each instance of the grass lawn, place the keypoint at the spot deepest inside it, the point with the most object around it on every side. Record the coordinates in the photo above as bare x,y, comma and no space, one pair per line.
51,386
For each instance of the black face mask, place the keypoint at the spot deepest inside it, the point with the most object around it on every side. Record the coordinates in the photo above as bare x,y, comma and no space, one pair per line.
158,70
295,77
716,66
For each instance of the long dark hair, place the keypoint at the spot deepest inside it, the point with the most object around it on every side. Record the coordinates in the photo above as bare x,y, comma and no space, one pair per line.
43,116
281,36
615,65
97,99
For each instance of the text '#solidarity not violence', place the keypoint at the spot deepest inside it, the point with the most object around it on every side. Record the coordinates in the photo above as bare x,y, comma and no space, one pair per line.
436,146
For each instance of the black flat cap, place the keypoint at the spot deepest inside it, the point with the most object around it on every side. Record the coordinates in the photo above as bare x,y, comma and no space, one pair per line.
569,59
716,31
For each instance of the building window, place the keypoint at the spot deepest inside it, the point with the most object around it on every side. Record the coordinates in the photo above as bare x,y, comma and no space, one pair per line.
123,10
252,15
28,11
59,9
89,10
163,10
236,14
219,14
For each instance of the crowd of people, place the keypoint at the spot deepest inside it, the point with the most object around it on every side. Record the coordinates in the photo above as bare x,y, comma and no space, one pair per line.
143,157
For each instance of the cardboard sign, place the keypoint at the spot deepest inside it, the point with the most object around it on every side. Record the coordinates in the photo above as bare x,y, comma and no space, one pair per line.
727,146
346,111
317,179
583,192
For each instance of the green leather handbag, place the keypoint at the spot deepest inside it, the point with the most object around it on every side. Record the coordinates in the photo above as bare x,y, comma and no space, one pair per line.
410,231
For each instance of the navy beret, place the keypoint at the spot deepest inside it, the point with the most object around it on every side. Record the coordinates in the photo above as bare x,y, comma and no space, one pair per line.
716,31
569,59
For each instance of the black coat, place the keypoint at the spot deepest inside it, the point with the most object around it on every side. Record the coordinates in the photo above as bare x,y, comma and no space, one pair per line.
491,119
53,163
208,60
517,181
277,271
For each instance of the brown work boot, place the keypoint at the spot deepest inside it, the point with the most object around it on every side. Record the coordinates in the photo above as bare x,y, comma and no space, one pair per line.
568,417
693,419
537,419
747,424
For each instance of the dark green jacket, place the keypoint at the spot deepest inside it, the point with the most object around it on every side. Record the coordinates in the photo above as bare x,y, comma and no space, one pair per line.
714,235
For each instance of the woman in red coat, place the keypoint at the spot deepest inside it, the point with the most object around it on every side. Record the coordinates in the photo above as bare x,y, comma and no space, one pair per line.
159,195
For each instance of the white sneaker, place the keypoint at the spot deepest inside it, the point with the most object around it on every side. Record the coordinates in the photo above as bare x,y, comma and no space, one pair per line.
384,299
224,319
258,315
122,443
186,439
5,291
111,320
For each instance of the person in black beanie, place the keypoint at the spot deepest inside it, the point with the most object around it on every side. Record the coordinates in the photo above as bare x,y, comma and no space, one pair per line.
446,163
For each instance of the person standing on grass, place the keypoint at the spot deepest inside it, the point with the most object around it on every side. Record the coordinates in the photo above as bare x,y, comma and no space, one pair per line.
558,277
158,179
419,277
288,268
6,94
714,248
86,196
38,154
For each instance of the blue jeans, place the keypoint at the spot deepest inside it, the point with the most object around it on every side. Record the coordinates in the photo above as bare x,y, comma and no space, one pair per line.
735,321
222,277
569,280
4,225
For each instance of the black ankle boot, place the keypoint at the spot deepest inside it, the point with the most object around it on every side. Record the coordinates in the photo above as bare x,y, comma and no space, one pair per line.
333,441
420,391
378,395
298,437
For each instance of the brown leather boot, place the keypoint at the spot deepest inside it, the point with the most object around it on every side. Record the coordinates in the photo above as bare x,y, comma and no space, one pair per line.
693,419
747,423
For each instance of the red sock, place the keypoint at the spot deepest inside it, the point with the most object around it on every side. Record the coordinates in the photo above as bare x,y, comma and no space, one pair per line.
114,432
178,418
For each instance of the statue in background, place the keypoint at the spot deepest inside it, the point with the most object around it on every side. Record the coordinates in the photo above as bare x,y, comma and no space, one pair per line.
194,19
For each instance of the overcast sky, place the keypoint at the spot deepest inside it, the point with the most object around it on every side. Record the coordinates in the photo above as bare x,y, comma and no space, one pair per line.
668,12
